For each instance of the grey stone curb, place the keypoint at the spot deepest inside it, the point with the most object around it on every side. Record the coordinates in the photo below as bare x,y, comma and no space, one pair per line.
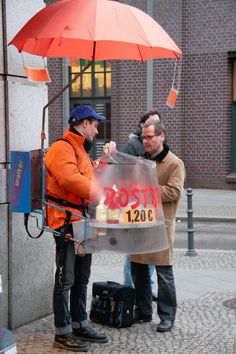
208,219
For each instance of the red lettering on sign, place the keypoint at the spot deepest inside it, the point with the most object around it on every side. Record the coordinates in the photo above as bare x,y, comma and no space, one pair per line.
148,196
123,199
110,194
134,194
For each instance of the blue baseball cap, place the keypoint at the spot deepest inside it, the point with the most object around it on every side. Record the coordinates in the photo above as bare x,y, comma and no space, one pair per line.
84,111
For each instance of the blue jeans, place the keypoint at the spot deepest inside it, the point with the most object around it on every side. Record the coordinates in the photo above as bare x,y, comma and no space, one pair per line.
167,303
70,289
128,281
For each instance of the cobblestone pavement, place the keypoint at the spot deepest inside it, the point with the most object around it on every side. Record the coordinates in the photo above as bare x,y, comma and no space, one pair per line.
204,325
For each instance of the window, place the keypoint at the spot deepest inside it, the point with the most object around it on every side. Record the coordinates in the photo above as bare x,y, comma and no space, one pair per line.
95,81
93,87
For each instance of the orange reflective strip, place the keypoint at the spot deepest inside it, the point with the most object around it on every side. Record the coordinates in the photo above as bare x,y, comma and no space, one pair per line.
39,75
171,100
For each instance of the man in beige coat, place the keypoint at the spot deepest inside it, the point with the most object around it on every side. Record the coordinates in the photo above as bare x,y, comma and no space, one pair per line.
171,174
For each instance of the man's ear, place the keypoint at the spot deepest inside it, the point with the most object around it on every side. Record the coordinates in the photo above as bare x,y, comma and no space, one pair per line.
85,123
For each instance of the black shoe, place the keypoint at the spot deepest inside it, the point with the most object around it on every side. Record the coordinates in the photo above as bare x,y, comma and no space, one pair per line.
70,342
90,335
165,326
142,319
154,297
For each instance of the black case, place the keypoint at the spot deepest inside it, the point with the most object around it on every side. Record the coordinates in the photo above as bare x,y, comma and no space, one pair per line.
112,304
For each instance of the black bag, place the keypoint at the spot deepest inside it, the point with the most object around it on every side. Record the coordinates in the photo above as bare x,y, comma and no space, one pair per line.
112,304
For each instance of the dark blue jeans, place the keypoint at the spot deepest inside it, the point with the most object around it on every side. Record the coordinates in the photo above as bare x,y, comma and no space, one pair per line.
70,289
166,303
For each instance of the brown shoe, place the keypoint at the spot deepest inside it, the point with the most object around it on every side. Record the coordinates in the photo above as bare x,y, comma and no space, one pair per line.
70,342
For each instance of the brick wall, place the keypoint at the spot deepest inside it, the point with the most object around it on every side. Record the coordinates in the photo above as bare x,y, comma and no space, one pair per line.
128,94
168,13
209,29
207,117
199,127
128,98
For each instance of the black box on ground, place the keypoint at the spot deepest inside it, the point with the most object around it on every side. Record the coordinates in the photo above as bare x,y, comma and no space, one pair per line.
112,304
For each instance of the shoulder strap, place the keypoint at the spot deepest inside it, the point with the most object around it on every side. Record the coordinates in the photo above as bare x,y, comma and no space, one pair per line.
67,141
83,208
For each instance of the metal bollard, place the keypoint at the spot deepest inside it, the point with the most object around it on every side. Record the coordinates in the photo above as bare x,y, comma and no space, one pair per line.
191,250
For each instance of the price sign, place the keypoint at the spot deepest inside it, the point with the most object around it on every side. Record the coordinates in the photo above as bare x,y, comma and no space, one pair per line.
139,216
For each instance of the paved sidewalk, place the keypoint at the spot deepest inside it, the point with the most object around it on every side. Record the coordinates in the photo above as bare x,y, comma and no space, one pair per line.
203,324
206,290
210,204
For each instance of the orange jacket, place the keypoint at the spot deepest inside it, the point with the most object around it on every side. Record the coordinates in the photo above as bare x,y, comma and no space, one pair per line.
68,175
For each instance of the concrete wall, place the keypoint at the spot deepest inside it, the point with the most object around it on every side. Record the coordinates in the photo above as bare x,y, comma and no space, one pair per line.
26,265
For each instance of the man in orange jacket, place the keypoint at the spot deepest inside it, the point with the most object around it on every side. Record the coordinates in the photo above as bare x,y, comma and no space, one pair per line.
68,180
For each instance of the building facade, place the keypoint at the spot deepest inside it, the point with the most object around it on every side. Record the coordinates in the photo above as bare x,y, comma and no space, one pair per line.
26,266
201,127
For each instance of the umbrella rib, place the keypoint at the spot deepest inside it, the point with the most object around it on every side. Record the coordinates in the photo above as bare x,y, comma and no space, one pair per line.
94,51
140,53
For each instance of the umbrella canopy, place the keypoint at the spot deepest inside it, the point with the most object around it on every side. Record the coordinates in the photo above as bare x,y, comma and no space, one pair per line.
95,30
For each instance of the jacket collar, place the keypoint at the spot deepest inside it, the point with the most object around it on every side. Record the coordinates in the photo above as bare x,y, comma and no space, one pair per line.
159,157
77,137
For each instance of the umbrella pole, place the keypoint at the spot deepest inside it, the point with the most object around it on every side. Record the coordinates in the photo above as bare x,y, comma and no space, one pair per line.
43,136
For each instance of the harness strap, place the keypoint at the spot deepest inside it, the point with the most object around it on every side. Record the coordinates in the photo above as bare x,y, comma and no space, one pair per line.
66,225
83,208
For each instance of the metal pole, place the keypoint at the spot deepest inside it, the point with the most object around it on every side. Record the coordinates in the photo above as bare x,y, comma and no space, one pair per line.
191,250
59,94
53,99
150,66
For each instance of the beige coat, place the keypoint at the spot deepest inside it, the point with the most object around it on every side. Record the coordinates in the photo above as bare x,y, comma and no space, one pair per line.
171,174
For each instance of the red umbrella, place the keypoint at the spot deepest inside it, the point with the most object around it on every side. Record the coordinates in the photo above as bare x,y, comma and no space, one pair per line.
95,30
